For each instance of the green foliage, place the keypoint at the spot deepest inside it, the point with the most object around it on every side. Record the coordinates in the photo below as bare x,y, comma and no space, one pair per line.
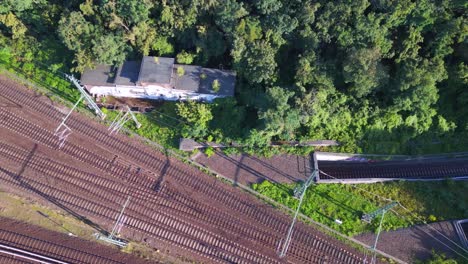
278,117
162,46
228,119
133,11
227,13
378,76
75,31
268,6
196,117
258,63
185,57
326,202
216,85
364,72
15,6
438,258
5,55
209,151
180,71
155,126
11,21
109,49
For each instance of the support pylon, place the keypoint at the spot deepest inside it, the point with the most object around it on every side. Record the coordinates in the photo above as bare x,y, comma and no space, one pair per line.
301,192
86,96
369,217
120,120
116,229
63,131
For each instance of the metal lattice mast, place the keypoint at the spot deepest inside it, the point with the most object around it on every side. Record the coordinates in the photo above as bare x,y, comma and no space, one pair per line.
120,120
374,254
86,96
369,217
301,193
138,124
119,219
117,226
299,190
63,131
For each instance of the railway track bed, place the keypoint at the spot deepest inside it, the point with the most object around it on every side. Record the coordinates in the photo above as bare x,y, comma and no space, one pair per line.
252,237
25,243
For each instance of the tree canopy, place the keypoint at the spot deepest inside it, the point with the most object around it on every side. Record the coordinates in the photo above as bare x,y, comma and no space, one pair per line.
378,76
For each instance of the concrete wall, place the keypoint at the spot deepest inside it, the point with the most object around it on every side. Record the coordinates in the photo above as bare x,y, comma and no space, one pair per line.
150,92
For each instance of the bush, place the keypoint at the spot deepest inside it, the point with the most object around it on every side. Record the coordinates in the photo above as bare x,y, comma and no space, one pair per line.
185,57
324,203
209,151
438,258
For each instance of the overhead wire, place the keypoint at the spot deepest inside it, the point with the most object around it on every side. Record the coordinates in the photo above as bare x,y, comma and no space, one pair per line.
341,181
437,231
421,219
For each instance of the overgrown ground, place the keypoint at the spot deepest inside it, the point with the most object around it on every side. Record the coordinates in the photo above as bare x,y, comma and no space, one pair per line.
427,201
157,126
26,210
31,212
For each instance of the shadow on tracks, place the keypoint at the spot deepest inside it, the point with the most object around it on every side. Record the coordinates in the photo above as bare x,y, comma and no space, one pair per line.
10,103
160,181
304,169
18,178
260,176
33,80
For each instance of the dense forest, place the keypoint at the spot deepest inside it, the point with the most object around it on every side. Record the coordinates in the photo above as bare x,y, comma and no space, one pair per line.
379,76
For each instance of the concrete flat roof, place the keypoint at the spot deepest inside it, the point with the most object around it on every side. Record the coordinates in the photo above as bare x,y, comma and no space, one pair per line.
101,75
156,70
127,74
190,81
226,79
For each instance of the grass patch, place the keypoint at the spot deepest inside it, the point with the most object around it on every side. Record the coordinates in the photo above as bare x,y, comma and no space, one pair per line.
27,210
143,251
429,201
155,126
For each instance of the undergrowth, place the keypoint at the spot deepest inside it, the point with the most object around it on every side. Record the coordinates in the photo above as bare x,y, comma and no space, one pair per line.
326,203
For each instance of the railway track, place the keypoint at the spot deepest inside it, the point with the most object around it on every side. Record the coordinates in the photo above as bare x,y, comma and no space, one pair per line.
66,177
317,247
95,199
303,241
11,259
404,170
37,250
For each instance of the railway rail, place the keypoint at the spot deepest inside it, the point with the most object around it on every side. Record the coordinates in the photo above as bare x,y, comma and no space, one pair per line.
95,201
22,126
333,171
304,247
41,251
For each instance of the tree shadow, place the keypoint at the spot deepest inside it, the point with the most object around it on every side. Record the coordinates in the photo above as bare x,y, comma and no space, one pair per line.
162,176
260,176
337,202
10,103
255,172
429,240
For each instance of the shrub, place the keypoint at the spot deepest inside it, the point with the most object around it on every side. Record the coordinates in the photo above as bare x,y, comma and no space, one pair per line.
180,71
216,85
209,151
185,57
